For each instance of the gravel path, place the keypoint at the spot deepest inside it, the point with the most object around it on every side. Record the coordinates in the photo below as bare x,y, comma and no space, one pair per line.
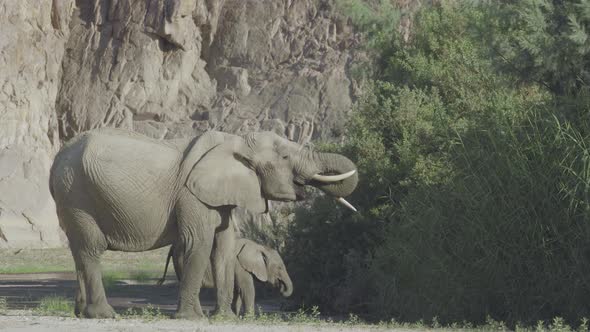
20,321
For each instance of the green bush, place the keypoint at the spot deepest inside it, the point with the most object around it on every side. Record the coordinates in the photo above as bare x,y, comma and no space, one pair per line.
316,254
271,230
503,238
474,164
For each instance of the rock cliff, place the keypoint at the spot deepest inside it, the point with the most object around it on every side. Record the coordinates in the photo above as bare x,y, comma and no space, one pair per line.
165,68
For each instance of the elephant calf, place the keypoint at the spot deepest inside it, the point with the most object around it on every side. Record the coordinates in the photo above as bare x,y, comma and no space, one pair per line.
251,259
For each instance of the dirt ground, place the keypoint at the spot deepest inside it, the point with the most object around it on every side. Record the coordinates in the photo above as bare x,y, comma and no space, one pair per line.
23,292
19,322
27,276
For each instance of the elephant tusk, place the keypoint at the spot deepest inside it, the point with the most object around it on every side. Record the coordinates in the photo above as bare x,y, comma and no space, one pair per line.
345,203
333,178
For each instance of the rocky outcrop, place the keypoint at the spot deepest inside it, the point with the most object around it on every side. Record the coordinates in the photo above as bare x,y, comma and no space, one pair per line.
296,55
133,61
165,68
32,37
172,68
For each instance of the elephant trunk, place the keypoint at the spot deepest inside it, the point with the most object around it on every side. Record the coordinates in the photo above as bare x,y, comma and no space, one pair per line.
335,164
286,285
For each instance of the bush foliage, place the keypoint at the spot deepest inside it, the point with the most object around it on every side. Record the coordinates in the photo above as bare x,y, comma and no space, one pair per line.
474,159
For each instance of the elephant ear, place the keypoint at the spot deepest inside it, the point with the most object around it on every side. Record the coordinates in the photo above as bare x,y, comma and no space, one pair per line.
252,260
222,177
196,149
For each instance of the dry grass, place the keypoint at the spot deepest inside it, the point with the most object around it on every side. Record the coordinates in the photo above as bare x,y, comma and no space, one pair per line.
60,260
55,306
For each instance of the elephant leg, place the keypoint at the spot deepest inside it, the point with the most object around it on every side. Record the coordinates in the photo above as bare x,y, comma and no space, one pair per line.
193,269
87,243
96,304
237,304
80,300
223,260
196,224
244,294
248,294
80,295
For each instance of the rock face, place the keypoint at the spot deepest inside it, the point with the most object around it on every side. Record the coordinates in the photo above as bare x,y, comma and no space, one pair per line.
165,68
174,68
32,40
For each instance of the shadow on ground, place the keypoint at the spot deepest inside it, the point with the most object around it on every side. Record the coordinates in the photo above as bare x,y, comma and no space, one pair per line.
24,291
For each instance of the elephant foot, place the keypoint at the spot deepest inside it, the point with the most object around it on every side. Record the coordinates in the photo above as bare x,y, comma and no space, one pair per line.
79,309
99,310
189,315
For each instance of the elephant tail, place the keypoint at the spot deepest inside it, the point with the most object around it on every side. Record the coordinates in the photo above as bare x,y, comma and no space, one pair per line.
170,253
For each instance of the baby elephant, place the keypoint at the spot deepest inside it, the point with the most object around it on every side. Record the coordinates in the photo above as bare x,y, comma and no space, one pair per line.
252,259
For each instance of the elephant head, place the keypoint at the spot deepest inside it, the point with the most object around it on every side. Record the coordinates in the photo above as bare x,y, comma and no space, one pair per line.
247,171
266,265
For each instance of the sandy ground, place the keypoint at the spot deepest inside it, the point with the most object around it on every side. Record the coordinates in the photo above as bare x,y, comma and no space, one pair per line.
19,321
24,291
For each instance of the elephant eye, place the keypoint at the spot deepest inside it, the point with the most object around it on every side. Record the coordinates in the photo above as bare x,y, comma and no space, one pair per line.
286,157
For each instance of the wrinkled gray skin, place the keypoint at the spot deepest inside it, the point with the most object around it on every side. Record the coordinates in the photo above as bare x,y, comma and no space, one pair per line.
118,190
251,260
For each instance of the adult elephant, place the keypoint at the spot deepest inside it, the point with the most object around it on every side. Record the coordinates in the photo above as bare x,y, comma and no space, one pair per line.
118,190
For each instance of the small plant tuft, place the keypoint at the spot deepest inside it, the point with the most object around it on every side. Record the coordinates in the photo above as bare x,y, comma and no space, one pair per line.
584,326
559,325
55,306
305,316
3,306
353,319
263,318
148,313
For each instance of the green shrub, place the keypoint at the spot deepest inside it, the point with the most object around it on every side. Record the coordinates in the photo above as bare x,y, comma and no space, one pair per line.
500,239
271,230
474,175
